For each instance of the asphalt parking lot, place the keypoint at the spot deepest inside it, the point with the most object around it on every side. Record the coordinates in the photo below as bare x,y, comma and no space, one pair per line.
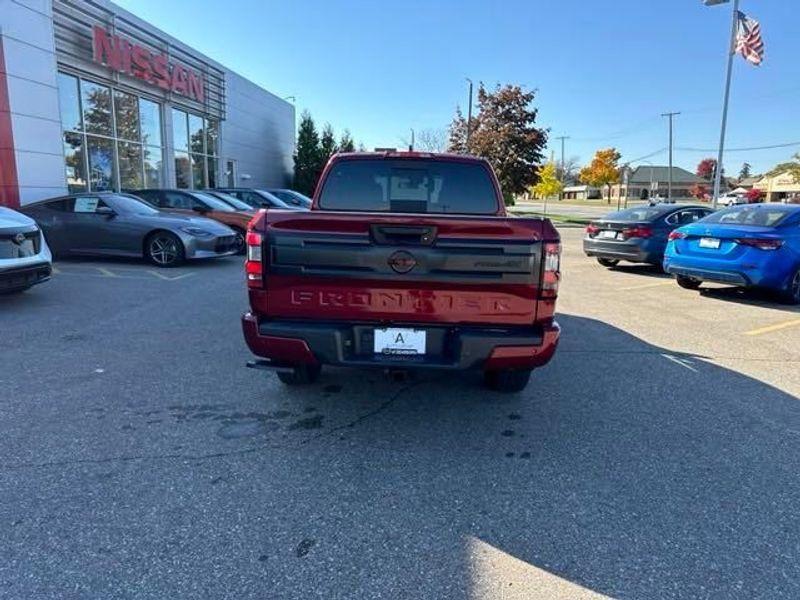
655,457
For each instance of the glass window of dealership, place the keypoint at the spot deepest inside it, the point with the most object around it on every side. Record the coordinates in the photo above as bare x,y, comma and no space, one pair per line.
116,140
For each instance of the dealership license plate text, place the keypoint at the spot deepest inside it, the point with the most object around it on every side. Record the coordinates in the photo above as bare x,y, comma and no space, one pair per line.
399,341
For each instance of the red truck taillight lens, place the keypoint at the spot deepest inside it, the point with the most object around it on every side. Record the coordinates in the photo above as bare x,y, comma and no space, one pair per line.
253,266
551,272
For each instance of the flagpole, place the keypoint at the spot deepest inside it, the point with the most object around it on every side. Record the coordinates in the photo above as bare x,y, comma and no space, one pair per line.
731,52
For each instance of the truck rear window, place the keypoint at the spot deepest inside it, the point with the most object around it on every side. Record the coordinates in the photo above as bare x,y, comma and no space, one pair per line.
409,186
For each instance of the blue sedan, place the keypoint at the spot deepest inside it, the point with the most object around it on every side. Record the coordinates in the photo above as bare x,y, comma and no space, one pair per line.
748,246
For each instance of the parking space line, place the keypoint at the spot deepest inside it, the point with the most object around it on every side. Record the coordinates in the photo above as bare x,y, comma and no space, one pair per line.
776,327
647,286
106,272
170,277
679,361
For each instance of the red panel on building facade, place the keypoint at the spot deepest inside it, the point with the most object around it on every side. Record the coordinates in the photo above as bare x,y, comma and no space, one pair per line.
9,186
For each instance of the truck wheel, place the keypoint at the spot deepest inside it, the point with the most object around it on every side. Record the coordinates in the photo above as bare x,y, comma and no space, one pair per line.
300,375
509,381
688,283
608,262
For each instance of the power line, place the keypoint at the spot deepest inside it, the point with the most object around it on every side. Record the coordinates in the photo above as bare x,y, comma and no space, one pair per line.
773,146
646,156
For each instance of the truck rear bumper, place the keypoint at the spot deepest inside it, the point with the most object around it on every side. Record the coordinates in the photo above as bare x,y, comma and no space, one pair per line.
289,343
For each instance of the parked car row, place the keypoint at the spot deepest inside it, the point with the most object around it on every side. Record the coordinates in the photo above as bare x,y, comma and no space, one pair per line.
750,245
164,226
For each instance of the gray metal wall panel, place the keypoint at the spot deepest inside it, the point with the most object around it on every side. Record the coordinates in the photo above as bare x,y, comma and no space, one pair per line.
258,134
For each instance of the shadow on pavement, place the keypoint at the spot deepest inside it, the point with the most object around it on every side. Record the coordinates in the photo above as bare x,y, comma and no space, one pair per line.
752,297
643,270
616,470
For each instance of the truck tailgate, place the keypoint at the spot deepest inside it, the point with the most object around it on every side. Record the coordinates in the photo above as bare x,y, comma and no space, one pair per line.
399,268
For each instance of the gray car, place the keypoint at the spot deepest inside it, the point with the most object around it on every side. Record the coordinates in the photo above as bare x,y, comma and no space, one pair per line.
110,224
638,234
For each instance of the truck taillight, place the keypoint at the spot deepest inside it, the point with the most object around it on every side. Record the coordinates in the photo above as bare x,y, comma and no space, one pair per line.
253,266
551,272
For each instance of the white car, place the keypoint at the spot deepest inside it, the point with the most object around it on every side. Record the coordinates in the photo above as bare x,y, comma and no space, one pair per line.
732,199
25,259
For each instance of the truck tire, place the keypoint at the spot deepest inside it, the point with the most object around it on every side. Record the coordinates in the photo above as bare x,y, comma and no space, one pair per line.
300,375
608,262
688,283
508,381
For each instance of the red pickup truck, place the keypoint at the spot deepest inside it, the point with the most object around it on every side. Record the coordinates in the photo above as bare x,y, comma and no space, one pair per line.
406,260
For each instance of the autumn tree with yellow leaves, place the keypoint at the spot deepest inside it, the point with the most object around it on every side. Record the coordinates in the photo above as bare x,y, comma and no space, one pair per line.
603,170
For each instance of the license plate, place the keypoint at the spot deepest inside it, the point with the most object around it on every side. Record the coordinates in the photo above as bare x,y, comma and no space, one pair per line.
608,235
712,243
399,341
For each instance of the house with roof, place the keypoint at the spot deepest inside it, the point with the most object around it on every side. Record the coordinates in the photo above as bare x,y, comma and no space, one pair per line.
648,181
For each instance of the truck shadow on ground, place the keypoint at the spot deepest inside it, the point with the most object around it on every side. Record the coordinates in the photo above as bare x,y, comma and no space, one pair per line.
616,470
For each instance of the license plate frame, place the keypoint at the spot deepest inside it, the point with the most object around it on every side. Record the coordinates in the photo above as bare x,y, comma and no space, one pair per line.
709,243
608,234
400,341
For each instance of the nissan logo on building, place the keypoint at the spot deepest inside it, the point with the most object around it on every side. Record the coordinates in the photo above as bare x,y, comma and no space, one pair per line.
402,261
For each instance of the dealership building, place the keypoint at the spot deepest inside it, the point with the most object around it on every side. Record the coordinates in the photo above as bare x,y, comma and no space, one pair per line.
93,98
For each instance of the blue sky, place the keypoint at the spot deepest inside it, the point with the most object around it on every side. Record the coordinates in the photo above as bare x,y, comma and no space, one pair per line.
604,70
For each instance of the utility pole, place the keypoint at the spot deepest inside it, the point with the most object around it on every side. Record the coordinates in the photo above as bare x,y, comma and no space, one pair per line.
469,113
562,138
671,115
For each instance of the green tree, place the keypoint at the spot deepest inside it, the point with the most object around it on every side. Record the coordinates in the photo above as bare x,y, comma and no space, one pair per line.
504,132
603,170
327,144
548,185
306,156
746,171
346,143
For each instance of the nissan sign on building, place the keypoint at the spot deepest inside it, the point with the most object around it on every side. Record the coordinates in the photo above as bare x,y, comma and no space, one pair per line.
92,98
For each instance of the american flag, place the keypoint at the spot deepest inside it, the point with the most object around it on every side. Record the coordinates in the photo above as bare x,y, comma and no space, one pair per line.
749,42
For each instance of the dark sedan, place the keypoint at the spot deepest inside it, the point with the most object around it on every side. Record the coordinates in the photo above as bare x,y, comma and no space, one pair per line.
258,198
638,234
109,224
293,198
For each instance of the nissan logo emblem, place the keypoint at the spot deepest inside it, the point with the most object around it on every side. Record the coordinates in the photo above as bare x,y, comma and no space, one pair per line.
402,262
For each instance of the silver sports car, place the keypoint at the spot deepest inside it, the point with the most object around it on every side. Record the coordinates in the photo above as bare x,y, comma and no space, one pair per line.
110,224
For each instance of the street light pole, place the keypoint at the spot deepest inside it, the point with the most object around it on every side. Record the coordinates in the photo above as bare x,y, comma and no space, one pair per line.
671,115
731,52
469,113
563,162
